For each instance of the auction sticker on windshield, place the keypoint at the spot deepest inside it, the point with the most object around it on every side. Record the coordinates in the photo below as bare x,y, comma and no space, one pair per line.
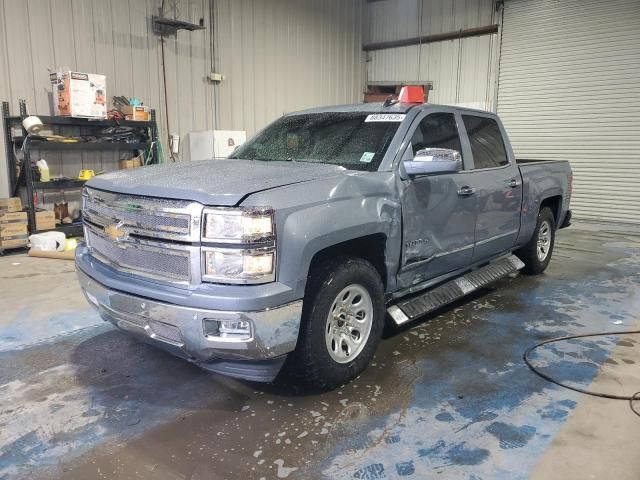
367,157
385,117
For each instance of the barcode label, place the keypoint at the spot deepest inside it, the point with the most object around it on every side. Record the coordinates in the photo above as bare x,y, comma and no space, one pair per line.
385,117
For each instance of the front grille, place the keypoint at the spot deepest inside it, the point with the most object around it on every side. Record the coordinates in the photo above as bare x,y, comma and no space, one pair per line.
145,220
144,216
153,261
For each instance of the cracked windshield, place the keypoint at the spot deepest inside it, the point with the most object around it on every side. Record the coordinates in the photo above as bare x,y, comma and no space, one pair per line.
356,141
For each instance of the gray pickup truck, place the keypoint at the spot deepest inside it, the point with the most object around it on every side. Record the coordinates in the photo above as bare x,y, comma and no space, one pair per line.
289,257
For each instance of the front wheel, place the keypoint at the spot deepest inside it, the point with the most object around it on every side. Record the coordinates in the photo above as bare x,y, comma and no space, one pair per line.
342,323
536,254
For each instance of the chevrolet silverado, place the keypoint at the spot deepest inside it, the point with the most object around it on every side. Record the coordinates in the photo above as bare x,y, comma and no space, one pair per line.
293,253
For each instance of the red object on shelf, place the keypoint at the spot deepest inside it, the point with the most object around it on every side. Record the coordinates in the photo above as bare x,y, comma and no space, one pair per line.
411,94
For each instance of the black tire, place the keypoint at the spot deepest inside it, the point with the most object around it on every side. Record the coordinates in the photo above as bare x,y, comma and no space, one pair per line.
533,264
311,364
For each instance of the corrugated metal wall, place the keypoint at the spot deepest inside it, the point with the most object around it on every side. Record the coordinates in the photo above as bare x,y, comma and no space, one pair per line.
570,90
284,55
277,56
463,71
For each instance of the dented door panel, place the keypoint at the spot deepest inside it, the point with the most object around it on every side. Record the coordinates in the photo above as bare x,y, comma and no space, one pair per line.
438,227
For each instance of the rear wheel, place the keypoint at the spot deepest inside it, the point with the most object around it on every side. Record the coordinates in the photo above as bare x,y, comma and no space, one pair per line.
536,254
342,323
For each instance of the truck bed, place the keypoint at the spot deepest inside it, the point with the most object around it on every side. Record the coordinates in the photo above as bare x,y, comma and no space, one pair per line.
543,179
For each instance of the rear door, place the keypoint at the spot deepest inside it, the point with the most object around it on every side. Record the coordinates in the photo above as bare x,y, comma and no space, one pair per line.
438,220
497,183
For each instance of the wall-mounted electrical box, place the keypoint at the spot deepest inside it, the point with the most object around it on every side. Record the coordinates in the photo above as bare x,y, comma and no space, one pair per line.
215,77
212,144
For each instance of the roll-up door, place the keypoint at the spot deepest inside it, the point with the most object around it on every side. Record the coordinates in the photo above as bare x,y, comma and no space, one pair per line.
569,89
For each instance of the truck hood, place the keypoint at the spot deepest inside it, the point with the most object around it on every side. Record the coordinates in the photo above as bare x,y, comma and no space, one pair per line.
215,182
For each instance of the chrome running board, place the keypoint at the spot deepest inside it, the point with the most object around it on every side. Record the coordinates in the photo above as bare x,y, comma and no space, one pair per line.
421,304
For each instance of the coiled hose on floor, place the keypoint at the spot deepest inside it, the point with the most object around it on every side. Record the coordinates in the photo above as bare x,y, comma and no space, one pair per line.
630,398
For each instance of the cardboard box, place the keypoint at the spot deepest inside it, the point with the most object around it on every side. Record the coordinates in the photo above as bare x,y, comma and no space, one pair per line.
13,217
14,230
45,220
130,163
141,113
66,255
14,242
9,230
79,94
14,238
13,204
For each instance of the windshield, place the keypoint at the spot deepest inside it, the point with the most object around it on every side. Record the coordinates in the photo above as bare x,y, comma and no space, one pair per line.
354,140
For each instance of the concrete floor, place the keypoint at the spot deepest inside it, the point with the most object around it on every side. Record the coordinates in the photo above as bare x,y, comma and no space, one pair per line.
449,397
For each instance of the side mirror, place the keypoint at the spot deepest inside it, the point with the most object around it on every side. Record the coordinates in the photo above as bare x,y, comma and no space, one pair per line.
434,160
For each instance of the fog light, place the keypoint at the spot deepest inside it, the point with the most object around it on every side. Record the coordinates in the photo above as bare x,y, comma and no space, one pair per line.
230,329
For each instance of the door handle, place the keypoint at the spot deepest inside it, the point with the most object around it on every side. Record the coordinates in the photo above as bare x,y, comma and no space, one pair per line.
513,183
466,191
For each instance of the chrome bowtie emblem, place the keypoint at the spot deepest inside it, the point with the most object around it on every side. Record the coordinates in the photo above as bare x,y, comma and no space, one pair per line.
116,232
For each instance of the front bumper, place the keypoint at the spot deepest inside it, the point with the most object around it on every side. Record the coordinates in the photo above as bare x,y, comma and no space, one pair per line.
180,330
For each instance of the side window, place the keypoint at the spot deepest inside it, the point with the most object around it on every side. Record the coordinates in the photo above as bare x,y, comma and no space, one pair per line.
487,144
437,130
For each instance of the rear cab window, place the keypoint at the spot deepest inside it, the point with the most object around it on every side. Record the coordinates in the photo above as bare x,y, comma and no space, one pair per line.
487,144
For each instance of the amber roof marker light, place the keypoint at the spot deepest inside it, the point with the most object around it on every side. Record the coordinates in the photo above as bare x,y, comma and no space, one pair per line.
408,94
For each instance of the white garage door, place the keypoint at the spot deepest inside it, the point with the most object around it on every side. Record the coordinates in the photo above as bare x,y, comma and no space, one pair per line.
569,88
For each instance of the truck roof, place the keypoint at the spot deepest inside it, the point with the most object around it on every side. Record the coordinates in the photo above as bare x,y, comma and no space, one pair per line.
378,107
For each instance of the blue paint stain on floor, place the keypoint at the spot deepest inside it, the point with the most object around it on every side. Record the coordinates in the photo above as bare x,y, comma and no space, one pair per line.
460,454
433,450
568,403
477,418
557,410
444,417
392,439
511,436
375,471
405,469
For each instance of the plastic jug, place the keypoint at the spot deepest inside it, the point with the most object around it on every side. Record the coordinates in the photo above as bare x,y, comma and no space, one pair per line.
45,176
48,241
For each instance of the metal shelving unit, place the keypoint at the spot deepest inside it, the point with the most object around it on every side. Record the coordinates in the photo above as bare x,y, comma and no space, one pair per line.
148,132
58,184
86,146
77,121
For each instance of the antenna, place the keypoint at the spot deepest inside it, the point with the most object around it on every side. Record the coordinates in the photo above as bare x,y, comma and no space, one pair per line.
390,100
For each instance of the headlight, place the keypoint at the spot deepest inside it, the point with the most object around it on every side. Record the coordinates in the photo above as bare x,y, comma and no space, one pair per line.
238,225
235,265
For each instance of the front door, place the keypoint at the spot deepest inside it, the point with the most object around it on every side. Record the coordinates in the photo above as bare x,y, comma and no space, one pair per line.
438,217
498,185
